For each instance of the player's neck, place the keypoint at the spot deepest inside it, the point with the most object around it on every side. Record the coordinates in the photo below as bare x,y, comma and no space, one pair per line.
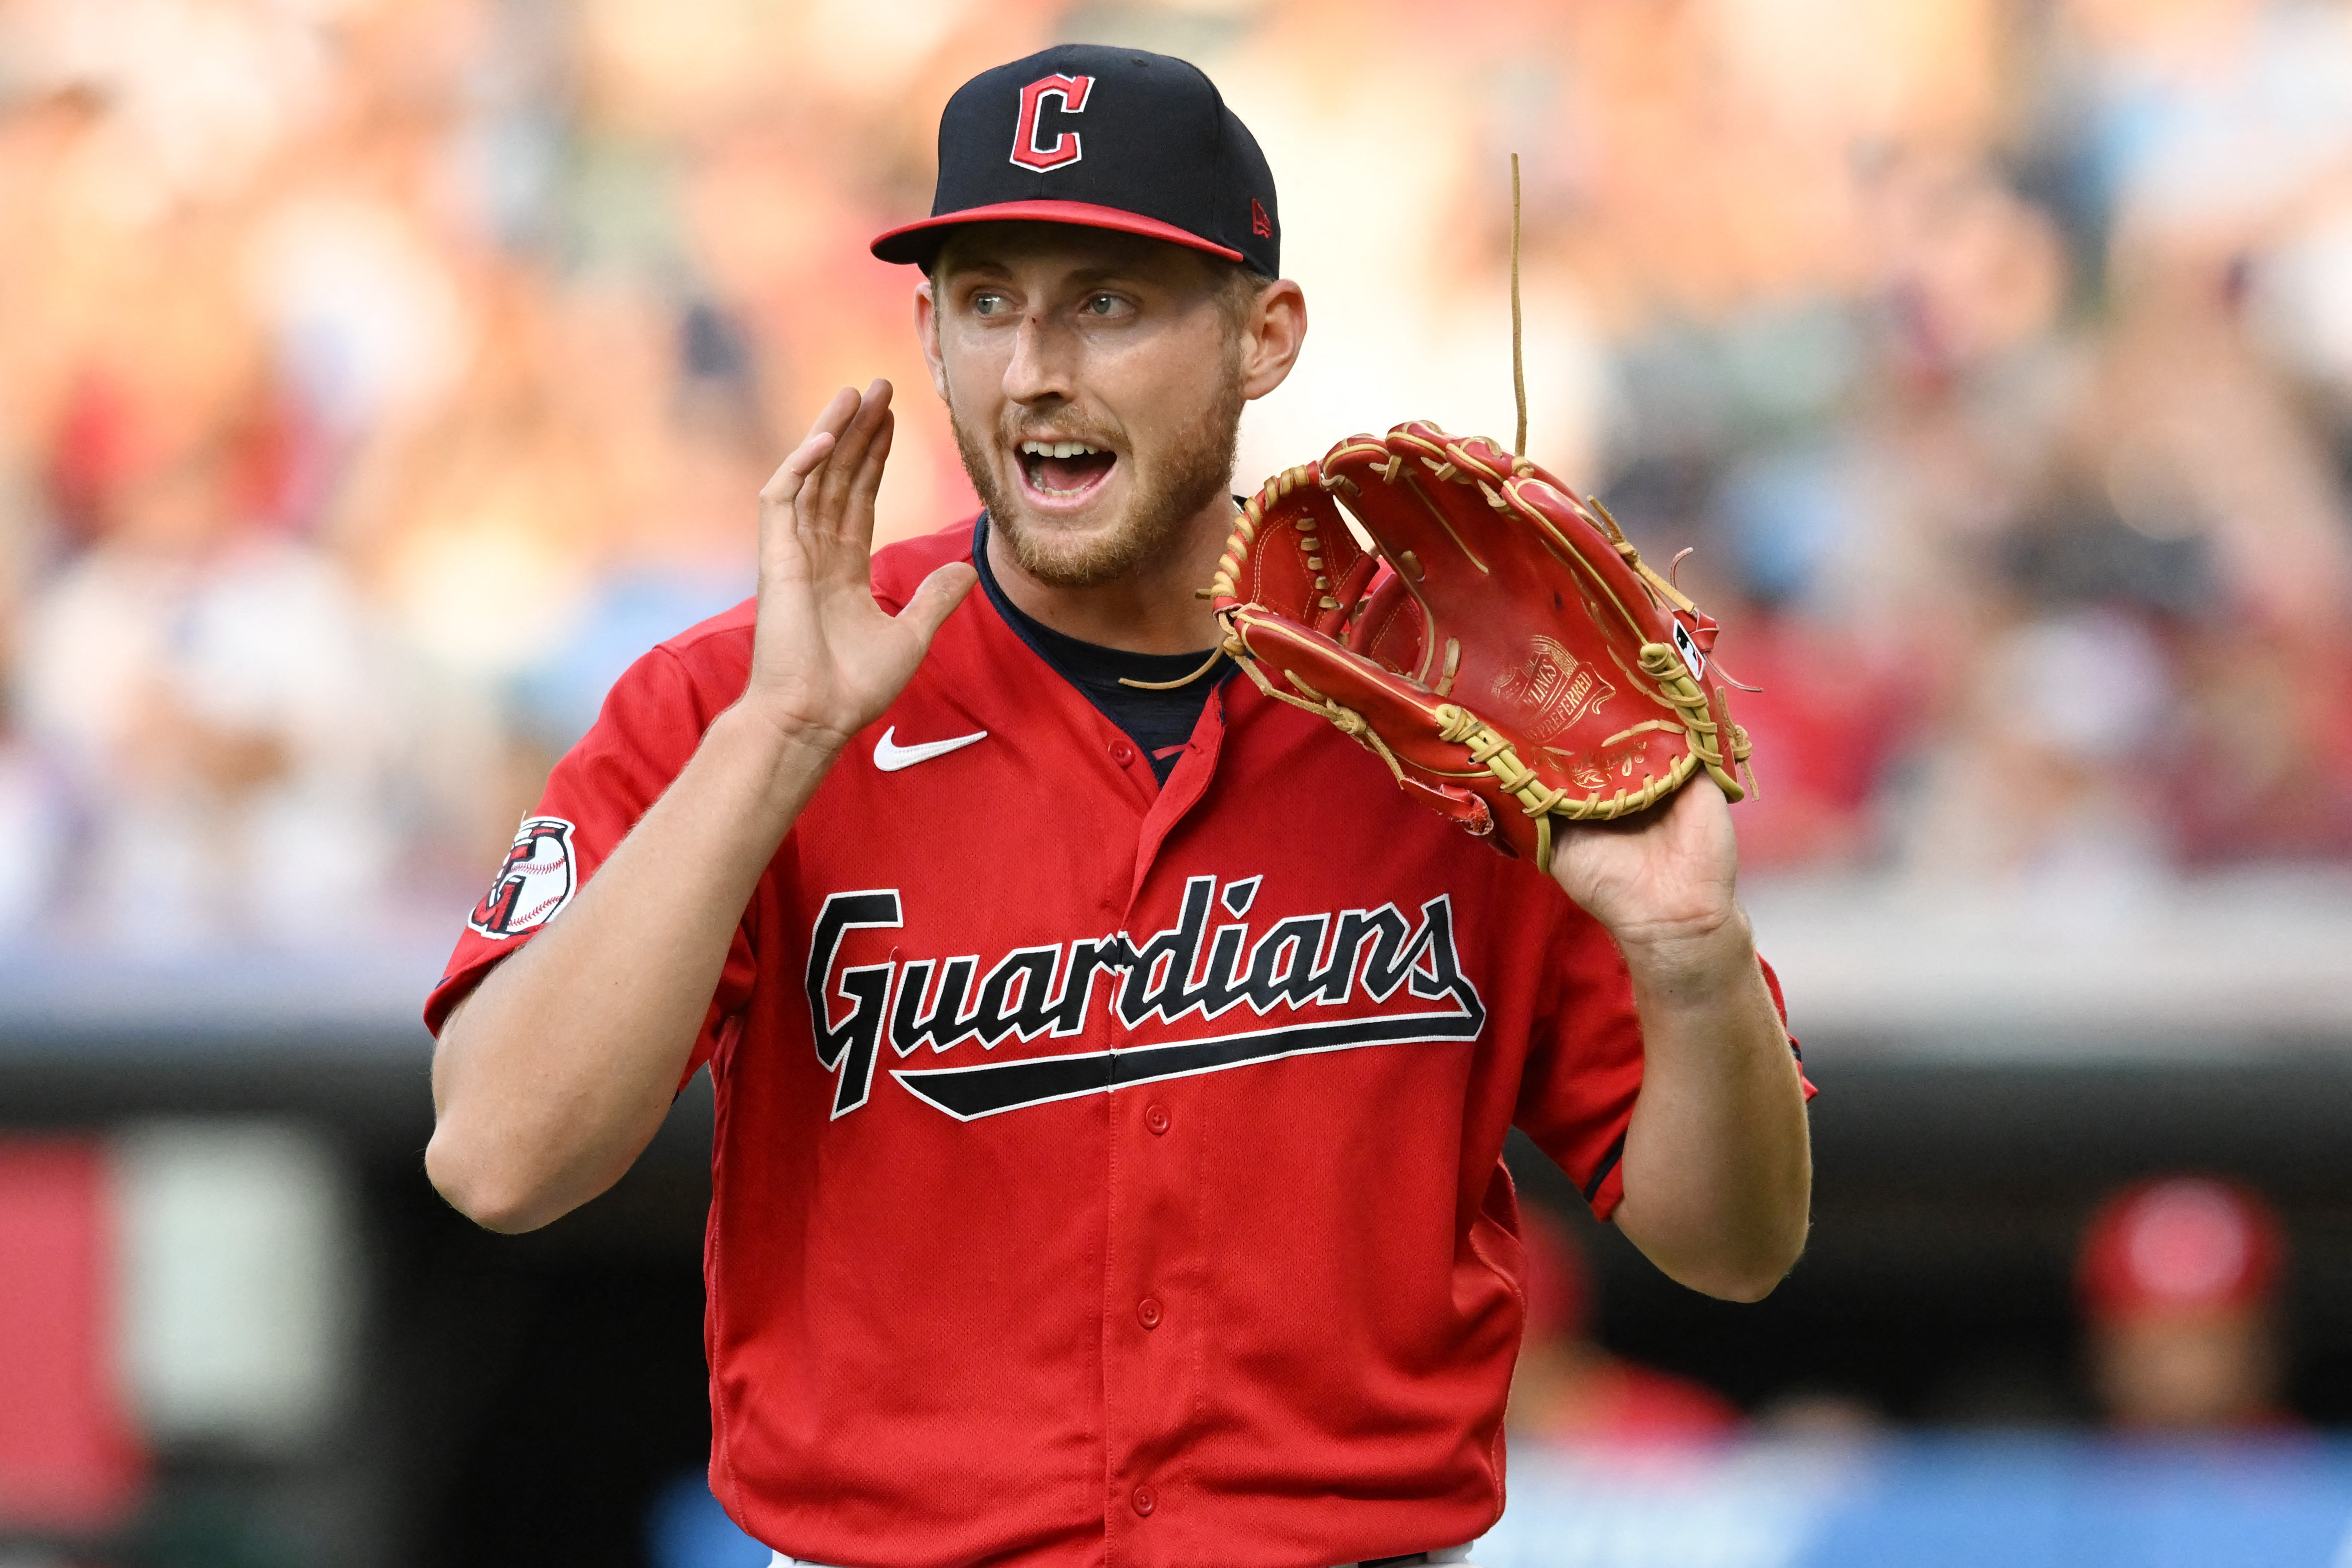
1154,609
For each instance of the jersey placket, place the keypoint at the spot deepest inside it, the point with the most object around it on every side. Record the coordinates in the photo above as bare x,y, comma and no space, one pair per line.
1153,1305
1156,1305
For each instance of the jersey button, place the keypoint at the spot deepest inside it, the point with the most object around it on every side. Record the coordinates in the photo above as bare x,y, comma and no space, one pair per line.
1156,1118
1147,1312
1146,1499
1121,752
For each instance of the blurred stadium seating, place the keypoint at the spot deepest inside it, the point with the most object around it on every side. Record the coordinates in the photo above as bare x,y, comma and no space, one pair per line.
379,377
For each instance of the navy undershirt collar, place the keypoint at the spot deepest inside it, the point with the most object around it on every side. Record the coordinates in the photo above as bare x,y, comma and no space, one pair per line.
1159,723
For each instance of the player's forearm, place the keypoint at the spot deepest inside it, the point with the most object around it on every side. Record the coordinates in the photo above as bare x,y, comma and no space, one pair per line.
550,1078
1717,1166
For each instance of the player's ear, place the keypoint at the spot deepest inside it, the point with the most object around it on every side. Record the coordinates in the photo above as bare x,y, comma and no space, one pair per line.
1273,329
927,333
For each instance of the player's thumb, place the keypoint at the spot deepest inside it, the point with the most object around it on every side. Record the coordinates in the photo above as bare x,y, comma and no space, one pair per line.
942,591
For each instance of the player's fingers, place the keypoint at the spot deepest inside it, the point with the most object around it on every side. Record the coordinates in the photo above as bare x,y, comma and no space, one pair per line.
942,591
1707,818
835,484
786,484
782,556
867,482
810,456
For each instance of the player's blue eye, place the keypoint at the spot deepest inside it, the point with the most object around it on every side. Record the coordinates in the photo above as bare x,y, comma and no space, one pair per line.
1102,304
987,304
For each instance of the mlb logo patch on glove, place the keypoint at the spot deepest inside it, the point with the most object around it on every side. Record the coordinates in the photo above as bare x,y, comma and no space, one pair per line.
1503,649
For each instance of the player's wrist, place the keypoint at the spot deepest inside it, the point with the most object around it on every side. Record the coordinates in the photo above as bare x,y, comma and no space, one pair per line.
782,755
1695,957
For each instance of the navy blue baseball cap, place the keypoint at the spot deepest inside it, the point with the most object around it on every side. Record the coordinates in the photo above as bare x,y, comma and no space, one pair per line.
1103,138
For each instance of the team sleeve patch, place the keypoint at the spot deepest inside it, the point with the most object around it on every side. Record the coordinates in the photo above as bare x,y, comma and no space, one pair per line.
538,879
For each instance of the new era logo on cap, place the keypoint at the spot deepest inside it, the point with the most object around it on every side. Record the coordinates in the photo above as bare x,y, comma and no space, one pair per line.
1104,138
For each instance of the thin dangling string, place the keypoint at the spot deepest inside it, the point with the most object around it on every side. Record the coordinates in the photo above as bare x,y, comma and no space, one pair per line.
1206,665
1518,356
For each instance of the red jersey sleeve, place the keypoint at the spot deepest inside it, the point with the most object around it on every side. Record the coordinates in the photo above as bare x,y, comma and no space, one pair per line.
652,720
1584,1065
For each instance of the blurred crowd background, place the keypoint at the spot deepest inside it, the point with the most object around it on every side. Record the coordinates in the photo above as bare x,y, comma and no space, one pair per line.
379,377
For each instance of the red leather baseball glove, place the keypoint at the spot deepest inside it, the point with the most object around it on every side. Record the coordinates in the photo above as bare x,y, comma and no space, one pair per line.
1503,649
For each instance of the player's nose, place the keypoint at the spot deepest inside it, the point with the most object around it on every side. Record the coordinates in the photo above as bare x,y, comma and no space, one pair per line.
1041,367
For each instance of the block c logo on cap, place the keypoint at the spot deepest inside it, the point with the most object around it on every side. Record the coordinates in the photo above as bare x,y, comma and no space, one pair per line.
1072,90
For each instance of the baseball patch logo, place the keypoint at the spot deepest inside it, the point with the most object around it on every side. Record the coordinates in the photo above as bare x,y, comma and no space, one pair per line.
537,880
1071,91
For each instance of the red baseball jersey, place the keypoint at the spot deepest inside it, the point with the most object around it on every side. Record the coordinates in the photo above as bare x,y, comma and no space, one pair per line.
1104,1172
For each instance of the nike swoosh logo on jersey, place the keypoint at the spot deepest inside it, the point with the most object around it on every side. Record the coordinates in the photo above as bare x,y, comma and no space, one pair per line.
889,756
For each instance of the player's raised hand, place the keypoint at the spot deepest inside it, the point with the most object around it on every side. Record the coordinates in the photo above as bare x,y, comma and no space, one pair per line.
1661,877
826,659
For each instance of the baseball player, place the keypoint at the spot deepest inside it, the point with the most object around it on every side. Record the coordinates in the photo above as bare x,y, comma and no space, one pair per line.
1113,1066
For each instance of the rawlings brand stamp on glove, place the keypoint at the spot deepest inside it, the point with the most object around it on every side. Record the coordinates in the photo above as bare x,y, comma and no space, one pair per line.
1504,649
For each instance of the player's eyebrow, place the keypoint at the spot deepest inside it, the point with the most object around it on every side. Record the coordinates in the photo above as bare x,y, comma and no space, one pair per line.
966,274
1125,272
1082,278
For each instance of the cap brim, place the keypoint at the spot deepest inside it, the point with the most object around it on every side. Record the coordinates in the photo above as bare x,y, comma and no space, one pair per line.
917,243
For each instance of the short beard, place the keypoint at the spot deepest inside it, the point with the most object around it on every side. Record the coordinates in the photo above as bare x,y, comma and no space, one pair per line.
1197,469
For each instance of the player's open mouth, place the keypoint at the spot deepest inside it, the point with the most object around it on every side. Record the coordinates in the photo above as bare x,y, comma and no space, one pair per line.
1064,471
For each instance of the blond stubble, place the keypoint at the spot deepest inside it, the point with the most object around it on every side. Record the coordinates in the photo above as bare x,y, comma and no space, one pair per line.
1196,470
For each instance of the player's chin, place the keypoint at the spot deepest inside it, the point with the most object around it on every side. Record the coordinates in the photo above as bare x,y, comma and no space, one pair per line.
1073,550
